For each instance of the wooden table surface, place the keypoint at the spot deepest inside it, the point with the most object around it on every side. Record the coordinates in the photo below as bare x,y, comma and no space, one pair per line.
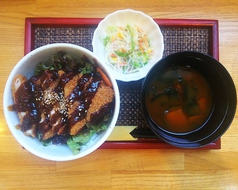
119,168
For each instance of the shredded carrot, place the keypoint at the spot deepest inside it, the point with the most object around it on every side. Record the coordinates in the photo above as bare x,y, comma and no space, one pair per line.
104,77
203,103
176,120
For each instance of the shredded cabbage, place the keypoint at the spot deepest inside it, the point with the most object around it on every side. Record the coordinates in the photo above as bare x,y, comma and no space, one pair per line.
127,49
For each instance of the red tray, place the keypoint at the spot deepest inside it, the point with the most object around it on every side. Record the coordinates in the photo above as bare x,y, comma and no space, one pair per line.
179,35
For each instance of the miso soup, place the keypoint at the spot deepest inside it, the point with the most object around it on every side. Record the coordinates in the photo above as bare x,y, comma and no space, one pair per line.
179,99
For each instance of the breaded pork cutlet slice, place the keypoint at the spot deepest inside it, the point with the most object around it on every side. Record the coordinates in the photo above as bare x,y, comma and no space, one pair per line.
70,83
102,99
76,112
75,124
54,106
20,94
98,107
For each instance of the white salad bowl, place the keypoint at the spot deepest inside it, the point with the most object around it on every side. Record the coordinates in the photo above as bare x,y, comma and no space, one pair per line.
130,17
26,67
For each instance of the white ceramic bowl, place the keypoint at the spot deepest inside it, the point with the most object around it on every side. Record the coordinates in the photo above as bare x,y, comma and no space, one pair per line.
26,66
131,17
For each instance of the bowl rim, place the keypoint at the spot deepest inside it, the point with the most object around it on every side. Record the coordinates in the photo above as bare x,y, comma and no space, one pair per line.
7,89
159,53
225,122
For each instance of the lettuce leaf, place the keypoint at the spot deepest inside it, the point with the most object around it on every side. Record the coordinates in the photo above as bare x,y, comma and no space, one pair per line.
76,142
63,61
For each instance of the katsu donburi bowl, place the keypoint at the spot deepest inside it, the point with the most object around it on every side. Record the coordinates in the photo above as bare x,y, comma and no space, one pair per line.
49,114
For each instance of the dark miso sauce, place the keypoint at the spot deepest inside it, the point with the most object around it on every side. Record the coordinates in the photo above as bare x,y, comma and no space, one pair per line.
179,99
84,98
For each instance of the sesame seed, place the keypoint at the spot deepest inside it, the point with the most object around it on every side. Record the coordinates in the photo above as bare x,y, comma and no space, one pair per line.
49,97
